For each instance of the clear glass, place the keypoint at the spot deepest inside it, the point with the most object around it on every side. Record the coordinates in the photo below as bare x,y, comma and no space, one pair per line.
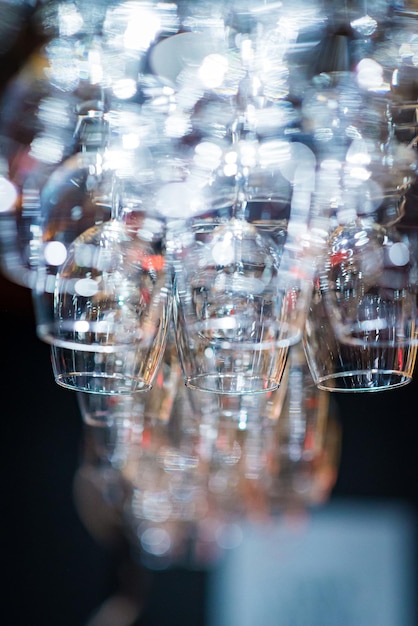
76,196
341,367
112,306
368,288
232,313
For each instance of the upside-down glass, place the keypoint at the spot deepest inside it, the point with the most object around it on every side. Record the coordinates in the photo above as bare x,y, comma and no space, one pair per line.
369,292
231,312
112,310
342,367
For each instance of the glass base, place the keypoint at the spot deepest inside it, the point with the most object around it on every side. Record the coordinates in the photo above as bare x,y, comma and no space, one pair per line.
363,381
101,384
232,384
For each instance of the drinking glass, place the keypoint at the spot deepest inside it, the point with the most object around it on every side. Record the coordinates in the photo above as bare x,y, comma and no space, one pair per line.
231,319
368,288
112,310
353,367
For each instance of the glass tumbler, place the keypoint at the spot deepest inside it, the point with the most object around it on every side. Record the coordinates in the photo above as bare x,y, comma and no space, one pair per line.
368,286
233,313
112,306
343,367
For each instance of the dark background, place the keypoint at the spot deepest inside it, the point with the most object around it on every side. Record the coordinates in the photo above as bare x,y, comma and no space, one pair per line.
55,573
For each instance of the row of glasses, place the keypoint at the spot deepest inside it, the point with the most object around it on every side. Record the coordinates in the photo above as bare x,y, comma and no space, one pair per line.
221,138
240,294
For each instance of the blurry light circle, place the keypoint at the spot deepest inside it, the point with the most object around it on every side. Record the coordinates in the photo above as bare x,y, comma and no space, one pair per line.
369,74
125,88
55,253
212,71
156,541
86,287
399,254
8,195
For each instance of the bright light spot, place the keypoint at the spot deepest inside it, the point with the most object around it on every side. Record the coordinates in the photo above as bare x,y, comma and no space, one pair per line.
359,173
209,353
376,324
223,253
86,287
207,155
369,74
95,67
55,253
143,26
130,141
69,19
399,254
231,157
176,200
46,149
125,88
296,162
81,326
212,70
248,154
365,25
247,50
230,169
8,195
357,153
177,125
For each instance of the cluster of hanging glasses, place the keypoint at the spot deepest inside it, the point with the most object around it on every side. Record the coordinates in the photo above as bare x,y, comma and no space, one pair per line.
214,207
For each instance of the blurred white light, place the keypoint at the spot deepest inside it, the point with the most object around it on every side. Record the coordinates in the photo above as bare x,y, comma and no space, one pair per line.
207,155
81,326
359,173
130,141
95,67
230,169
125,88
369,74
223,253
86,287
8,195
142,28
212,70
399,254
69,19
47,149
55,253
177,125
176,200
247,50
